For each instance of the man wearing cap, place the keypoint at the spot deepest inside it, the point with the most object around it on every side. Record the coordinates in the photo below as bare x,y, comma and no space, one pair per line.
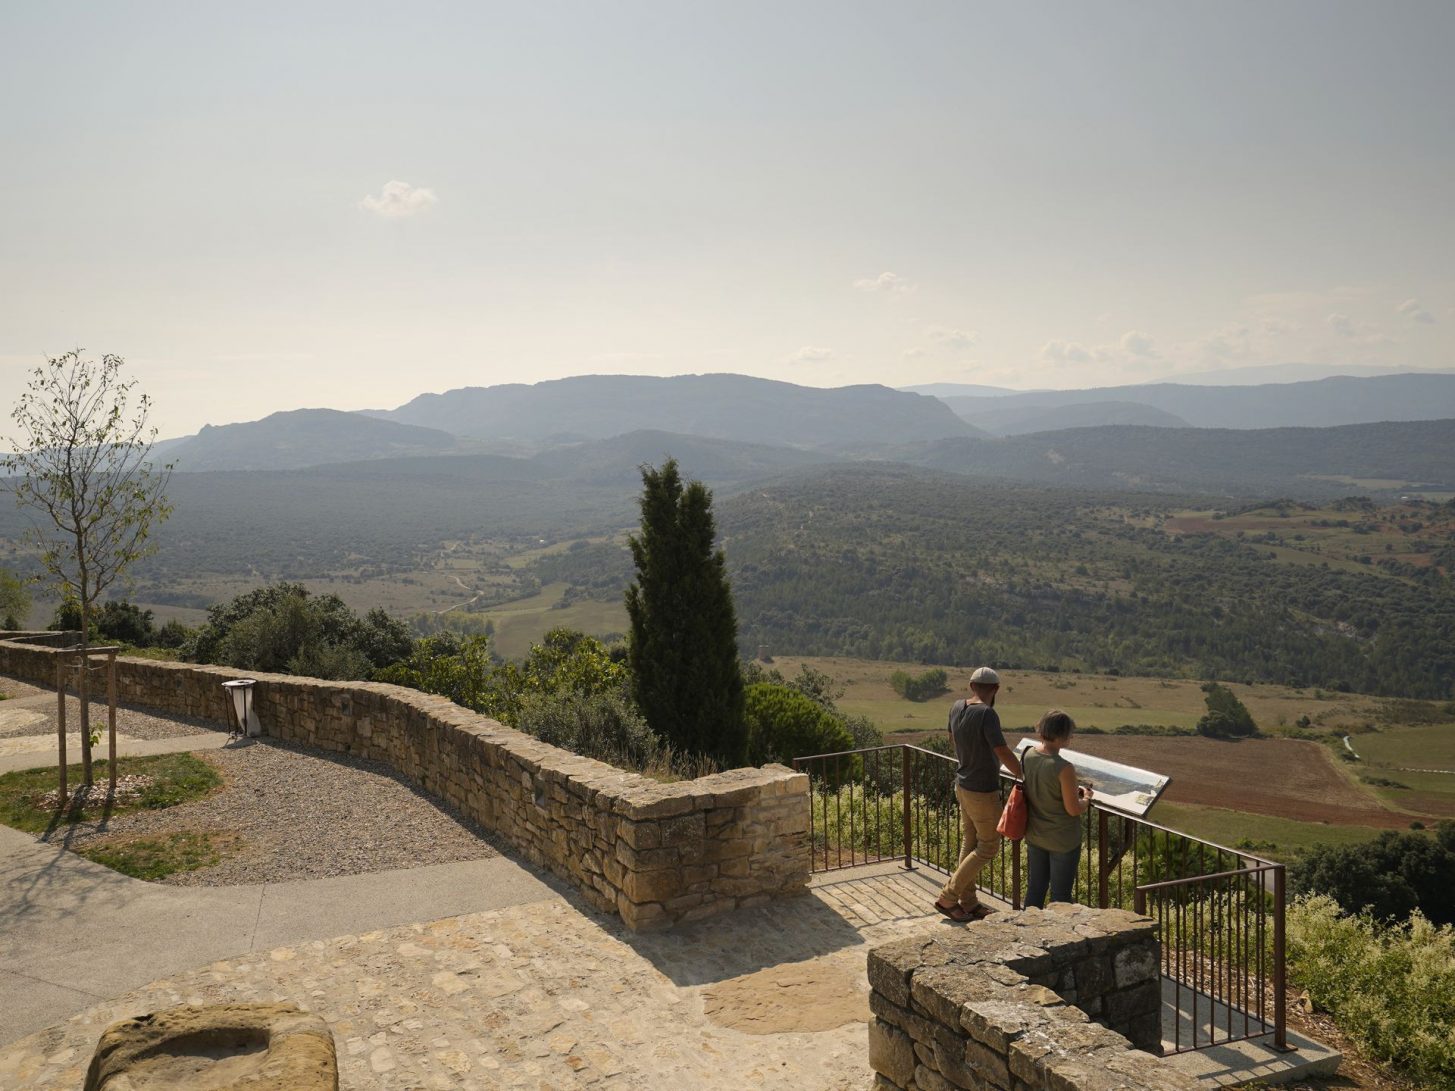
981,749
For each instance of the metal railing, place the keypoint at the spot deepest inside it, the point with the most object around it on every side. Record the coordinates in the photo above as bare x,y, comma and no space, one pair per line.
1219,911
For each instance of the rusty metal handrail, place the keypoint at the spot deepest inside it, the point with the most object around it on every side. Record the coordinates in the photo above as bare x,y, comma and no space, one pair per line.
1223,939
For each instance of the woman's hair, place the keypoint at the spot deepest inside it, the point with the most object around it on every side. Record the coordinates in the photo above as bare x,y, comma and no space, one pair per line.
1055,726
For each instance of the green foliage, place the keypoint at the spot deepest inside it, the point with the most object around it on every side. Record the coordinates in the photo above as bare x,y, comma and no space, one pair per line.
282,628
1389,878
117,620
1390,989
783,724
605,726
683,649
874,563
919,687
460,668
1226,717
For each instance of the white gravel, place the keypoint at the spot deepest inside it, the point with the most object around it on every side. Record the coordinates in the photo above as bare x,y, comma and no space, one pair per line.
303,814
135,722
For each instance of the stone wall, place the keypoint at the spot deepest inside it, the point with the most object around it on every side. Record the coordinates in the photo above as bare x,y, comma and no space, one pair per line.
1065,998
655,853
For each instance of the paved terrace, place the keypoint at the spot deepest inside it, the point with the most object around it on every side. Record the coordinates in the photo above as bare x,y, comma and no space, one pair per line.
477,974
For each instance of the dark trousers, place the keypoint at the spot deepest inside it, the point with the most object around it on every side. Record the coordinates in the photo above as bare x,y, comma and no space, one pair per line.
1056,870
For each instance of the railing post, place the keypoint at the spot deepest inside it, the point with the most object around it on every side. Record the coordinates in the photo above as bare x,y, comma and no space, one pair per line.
1103,892
1280,982
1015,875
1139,902
904,754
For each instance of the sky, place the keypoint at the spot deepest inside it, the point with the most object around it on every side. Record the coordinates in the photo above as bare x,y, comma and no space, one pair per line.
272,206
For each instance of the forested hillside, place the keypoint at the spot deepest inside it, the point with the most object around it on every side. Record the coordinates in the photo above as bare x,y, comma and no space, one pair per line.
912,565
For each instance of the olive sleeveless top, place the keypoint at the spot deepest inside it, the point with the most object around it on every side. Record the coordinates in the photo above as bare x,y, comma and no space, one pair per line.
1048,826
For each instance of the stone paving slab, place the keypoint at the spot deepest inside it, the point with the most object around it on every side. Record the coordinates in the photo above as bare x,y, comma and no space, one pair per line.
73,932
536,995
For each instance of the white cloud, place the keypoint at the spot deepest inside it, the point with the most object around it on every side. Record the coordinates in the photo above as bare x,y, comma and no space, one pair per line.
1065,352
1412,310
1137,343
399,199
1274,326
890,283
808,354
947,337
1341,324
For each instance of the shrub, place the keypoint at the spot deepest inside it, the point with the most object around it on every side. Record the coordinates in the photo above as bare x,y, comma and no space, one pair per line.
1227,717
919,687
1389,878
605,726
1391,989
783,724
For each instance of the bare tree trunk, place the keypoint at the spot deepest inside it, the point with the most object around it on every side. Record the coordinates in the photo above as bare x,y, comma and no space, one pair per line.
111,723
61,720
83,691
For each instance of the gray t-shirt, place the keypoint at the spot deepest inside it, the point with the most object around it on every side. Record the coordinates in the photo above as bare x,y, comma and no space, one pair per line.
975,729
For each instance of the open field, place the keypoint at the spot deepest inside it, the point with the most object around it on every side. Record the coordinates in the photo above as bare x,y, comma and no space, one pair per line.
1092,699
1292,792
1279,838
521,623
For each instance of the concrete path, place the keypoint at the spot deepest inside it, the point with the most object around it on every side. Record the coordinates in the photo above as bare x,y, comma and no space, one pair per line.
73,932
35,751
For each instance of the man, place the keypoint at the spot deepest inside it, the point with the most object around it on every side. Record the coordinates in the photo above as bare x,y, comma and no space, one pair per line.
981,749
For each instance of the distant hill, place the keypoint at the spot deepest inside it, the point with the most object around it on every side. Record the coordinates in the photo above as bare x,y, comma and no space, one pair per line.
1295,462
951,390
1286,373
1018,421
302,437
1318,404
716,461
735,407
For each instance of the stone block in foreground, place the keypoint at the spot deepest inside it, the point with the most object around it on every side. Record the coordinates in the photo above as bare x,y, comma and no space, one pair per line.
218,1047
1058,1000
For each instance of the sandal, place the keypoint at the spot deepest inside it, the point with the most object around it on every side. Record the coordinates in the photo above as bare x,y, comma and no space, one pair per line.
956,912
980,912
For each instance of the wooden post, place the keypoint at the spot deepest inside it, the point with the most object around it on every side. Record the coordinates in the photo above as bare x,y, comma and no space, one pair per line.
111,722
61,719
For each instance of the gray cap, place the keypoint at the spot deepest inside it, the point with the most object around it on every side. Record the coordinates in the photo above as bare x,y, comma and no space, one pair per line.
984,676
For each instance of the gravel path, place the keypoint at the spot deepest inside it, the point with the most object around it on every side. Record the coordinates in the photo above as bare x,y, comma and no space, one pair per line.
301,815
30,710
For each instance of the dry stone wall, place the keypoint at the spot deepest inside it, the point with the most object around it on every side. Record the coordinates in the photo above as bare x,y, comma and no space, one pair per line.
655,853
1064,999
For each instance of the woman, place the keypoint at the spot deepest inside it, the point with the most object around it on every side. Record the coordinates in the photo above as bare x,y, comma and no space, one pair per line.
1055,804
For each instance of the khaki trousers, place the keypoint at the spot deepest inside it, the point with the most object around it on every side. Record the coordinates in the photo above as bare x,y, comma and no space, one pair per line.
979,815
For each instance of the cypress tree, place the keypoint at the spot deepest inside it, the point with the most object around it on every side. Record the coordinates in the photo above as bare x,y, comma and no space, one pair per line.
683,651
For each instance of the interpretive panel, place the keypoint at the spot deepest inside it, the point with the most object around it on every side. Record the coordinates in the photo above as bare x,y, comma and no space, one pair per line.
1121,787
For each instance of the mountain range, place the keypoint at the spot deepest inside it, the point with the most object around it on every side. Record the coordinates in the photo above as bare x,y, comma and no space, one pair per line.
1320,403
597,430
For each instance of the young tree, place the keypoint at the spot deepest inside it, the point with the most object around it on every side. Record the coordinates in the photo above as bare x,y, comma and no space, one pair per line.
14,600
81,460
683,651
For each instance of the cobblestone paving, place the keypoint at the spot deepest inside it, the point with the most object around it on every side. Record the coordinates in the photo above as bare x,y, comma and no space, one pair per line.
538,996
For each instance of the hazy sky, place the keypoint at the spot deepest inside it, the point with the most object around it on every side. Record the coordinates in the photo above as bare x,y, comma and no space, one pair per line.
267,206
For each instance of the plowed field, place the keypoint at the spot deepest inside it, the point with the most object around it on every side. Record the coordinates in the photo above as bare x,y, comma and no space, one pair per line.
1289,778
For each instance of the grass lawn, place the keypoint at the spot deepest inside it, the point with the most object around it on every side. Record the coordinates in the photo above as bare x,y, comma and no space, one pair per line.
1428,746
153,858
1229,827
176,778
